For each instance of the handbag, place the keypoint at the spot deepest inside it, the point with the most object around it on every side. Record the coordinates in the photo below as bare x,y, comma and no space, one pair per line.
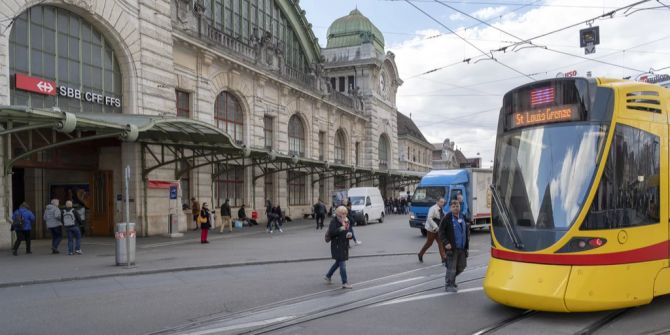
327,237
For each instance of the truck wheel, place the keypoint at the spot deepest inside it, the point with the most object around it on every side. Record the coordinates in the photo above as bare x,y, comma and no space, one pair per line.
424,232
365,220
381,218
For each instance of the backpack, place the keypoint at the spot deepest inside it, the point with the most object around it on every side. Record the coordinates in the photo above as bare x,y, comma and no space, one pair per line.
68,218
18,223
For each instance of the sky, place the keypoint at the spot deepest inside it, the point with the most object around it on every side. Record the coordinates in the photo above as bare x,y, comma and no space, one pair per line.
461,100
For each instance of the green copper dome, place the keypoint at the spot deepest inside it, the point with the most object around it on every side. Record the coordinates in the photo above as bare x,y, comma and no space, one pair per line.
354,30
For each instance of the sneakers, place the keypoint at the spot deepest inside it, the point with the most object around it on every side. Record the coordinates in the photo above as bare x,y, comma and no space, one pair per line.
271,231
70,253
358,242
451,289
54,251
281,230
420,258
327,279
78,252
346,286
15,253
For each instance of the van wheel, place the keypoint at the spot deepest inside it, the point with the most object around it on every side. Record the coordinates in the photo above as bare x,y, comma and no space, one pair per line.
365,220
381,218
424,232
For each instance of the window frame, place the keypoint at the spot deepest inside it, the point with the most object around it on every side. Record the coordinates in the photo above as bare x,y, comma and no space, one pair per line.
227,119
297,188
296,137
183,112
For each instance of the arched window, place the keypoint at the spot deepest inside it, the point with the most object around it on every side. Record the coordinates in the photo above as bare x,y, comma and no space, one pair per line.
229,116
75,63
248,20
383,152
296,137
340,147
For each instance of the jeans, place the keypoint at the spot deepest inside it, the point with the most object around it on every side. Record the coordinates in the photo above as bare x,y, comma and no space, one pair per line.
343,270
456,262
22,235
56,237
73,232
319,220
353,235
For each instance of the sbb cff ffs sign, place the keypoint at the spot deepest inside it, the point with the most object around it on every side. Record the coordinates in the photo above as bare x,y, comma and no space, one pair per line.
48,87
36,85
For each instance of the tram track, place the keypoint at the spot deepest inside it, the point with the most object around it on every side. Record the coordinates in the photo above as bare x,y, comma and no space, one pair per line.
343,308
506,322
228,325
602,322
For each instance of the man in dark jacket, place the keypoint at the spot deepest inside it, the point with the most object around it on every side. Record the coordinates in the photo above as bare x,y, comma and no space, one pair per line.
339,234
455,234
226,216
319,214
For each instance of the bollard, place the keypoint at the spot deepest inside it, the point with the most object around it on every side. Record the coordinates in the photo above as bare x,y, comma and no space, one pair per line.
121,234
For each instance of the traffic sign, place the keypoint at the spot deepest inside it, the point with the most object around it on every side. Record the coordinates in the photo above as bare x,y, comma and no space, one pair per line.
34,84
173,192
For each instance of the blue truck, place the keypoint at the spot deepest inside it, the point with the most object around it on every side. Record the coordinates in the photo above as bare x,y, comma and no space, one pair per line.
471,183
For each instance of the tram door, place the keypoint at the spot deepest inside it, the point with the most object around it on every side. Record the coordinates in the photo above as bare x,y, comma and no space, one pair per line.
102,209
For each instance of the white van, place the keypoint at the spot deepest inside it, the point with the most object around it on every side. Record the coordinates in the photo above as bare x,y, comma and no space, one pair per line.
367,204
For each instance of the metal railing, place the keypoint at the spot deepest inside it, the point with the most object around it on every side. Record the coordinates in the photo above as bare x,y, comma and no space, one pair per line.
229,42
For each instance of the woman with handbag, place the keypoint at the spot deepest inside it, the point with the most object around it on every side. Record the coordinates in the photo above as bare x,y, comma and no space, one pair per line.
339,235
205,222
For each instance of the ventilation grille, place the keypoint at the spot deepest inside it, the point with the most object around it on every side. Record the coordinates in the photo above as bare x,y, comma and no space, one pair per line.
644,101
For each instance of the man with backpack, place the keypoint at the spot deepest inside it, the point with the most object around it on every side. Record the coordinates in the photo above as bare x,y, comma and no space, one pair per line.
22,223
52,218
71,222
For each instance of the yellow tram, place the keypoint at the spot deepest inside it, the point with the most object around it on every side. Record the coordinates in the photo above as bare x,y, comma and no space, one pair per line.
580,190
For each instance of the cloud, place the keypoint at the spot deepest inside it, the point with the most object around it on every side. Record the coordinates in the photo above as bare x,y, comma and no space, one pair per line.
462,102
489,12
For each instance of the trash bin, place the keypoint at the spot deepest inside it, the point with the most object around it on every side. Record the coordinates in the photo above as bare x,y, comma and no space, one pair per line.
121,235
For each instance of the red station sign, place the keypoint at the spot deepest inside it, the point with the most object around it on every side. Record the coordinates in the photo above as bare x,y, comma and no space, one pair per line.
34,84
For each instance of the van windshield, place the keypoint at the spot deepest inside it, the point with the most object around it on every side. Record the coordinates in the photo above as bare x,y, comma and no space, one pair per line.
355,201
425,195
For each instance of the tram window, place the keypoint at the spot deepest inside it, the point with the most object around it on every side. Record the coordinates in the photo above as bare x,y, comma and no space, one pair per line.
629,191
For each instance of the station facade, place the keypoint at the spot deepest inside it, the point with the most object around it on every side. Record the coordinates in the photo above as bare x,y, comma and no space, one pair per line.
226,99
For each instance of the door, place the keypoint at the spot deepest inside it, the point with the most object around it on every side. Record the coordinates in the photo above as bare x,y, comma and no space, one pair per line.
102,208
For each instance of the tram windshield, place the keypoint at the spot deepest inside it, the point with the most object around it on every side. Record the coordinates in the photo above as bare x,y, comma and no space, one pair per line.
543,172
544,175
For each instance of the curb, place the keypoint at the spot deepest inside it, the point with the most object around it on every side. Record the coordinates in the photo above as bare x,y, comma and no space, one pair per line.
191,268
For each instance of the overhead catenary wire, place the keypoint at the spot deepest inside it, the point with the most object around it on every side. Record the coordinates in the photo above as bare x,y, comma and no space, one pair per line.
529,40
466,41
531,43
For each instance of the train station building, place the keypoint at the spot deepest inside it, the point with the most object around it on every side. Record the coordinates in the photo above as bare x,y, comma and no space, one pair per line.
225,99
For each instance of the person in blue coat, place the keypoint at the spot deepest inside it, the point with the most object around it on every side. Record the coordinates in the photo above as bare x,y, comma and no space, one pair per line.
23,220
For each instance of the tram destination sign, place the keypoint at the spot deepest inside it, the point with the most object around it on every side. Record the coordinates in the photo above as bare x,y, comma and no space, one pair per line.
49,87
545,115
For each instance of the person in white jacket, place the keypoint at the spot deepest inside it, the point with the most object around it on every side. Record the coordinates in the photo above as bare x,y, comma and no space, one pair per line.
435,215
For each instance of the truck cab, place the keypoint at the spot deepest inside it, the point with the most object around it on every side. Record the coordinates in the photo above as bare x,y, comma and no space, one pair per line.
447,184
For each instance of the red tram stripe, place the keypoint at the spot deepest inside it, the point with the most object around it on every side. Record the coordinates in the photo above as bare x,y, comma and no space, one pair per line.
649,253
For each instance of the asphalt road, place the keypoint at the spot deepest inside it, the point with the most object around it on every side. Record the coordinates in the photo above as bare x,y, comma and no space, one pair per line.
393,294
